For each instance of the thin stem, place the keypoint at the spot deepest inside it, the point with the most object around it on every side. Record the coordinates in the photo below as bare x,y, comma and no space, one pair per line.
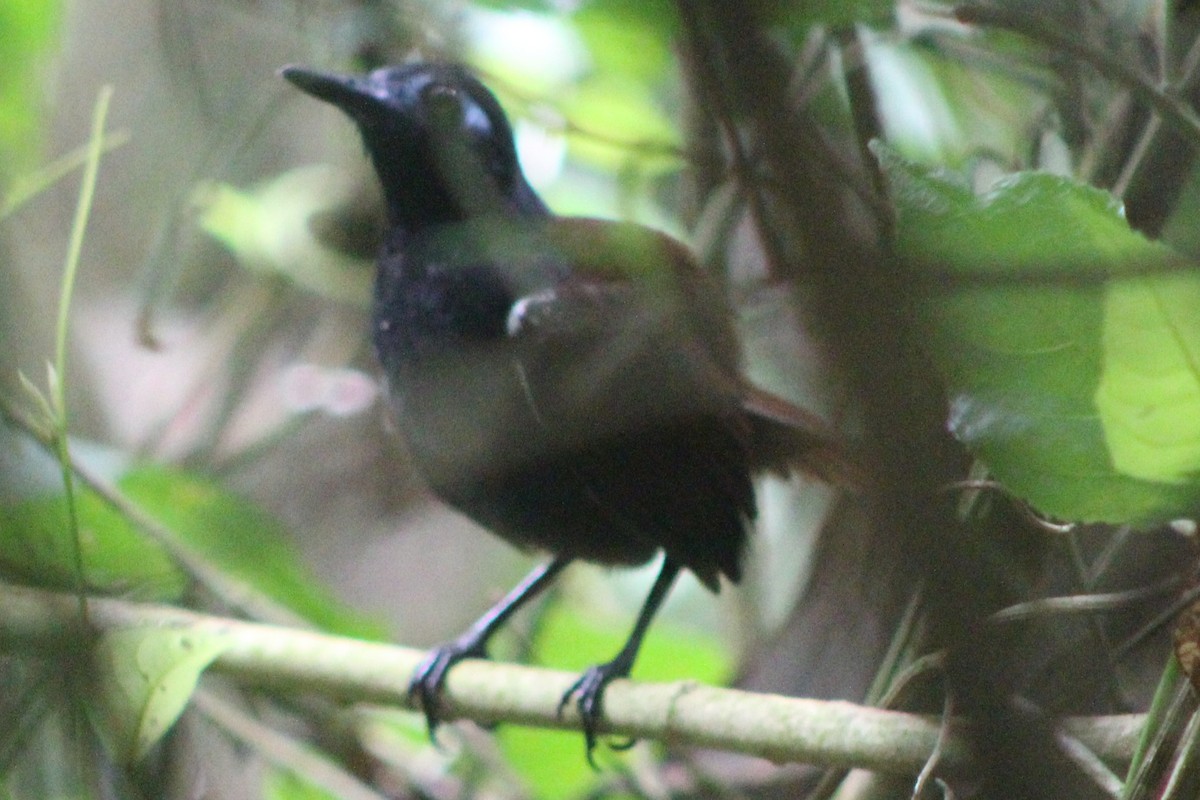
28,186
929,771
1040,29
1084,603
83,209
282,750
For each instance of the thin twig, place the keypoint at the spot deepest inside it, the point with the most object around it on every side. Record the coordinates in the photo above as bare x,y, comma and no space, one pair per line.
282,750
60,424
1164,617
1091,765
1043,30
928,772
1085,603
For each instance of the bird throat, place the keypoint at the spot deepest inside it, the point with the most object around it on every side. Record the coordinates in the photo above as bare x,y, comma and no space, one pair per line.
457,189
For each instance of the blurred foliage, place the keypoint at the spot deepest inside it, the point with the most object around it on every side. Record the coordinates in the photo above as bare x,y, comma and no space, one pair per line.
940,108
800,20
1066,340
205,520
282,785
272,228
28,34
627,38
573,637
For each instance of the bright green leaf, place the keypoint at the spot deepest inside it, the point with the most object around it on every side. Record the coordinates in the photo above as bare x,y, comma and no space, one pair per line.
1149,392
279,784
229,532
145,678
1044,353
27,33
573,638
629,37
552,763
273,228
36,546
620,127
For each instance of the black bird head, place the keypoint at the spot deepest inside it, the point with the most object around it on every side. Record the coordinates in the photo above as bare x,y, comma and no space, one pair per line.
439,140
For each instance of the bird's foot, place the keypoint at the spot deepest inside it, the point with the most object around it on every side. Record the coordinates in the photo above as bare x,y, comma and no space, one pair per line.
588,694
429,677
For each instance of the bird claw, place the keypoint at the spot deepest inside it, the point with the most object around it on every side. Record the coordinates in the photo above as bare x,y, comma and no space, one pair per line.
588,694
430,676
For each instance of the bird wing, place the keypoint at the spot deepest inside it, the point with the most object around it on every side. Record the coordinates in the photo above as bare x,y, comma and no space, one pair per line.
617,378
629,362
628,259
655,265
604,359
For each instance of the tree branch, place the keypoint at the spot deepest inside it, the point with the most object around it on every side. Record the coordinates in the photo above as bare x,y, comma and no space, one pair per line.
783,729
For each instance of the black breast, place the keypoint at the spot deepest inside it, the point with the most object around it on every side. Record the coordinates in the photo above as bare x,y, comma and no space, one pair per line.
424,307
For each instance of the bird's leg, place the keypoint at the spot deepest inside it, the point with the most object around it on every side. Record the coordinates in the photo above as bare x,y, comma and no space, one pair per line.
588,691
430,675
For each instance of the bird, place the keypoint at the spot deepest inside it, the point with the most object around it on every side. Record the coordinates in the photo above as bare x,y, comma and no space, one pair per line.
572,384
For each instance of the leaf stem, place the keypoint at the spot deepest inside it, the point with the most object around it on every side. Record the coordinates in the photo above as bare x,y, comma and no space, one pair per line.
28,186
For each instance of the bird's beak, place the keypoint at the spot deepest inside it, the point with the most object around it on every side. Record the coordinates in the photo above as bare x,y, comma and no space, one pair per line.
351,94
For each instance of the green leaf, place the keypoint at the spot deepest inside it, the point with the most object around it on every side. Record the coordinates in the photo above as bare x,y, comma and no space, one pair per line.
36,548
551,763
28,30
1149,392
1062,376
575,638
227,531
833,13
35,542
244,541
620,127
282,784
145,678
628,37
274,228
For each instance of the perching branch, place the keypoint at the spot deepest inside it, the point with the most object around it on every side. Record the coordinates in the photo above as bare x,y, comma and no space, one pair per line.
827,733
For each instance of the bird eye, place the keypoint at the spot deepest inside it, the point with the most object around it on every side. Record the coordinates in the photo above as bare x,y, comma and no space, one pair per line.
443,106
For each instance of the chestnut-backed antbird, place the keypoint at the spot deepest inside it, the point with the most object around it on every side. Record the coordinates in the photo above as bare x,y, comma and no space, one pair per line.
570,384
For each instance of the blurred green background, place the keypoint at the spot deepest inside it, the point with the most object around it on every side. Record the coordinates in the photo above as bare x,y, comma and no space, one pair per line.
219,372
